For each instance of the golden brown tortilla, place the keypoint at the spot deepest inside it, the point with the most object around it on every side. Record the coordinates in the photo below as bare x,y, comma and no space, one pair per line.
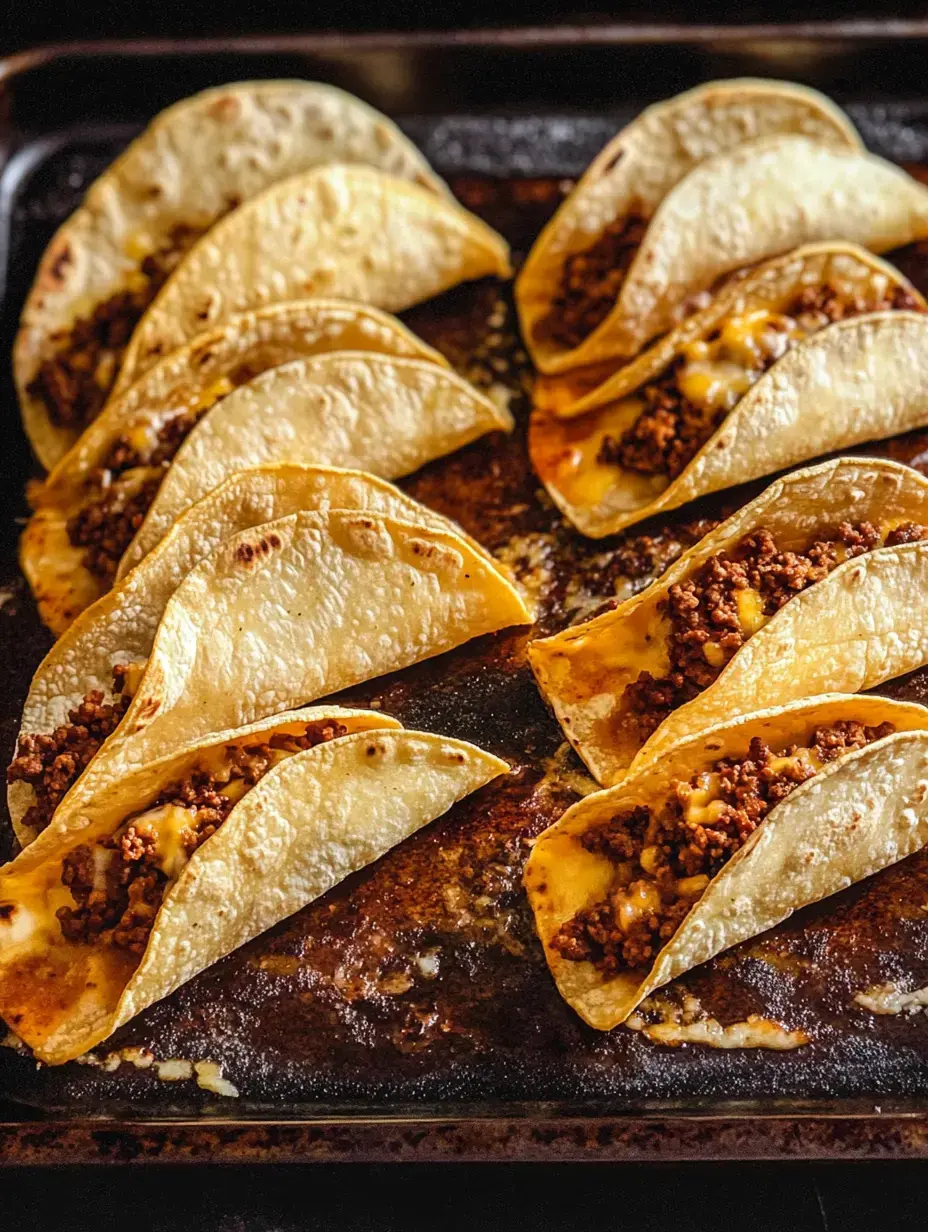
860,813
195,161
848,632
311,820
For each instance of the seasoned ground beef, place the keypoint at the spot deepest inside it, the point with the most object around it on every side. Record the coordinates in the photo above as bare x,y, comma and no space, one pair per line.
118,889
51,763
818,306
705,621
670,431
665,860
123,456
665,436
106,527
74,383
590,283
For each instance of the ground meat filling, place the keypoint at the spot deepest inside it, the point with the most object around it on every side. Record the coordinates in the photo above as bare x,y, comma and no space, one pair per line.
671,430
118,884
713,613
590,283
121,490
665,436
74,383
665,858
51,763
105,527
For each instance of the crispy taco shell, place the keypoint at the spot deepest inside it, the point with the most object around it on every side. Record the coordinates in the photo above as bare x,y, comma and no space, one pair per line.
639,166
855,380
369,412
192,164
121,626
151,418
860,813
739,208
853,629
345,231
310,821
293,610
820,282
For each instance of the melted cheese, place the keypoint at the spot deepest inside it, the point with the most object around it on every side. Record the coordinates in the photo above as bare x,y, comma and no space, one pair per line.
716,372
804,758
642,899
166,826
133,677
582,478
212,393
701,804
142,436
750,606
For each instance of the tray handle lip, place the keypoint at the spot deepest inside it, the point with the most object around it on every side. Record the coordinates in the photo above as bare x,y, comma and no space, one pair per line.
513,38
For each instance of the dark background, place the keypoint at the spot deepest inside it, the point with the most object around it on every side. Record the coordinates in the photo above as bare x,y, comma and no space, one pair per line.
746,1196
23,23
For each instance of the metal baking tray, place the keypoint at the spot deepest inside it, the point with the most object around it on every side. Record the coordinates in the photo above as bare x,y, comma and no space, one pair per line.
409,1014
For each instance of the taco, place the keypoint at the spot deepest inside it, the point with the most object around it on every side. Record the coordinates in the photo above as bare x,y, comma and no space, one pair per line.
733,210
90,506
280,614
724,836
120,627
808,589
195,162
792,363
178,864
573,273
344,231
369,412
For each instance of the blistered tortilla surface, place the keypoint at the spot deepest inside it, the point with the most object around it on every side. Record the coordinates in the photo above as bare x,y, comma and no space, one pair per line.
196,159
376,413
120,627
345,231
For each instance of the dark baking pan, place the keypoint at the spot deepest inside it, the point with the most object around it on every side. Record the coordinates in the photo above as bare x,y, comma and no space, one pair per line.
409,1014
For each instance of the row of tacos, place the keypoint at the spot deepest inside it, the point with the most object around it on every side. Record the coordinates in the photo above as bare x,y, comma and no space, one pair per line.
705,309
157,787
206,365
729,231
314,193
745,775
225,281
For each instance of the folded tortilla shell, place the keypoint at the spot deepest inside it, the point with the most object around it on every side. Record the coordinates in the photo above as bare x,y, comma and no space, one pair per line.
121,626
293,610
345,231
856,628
639,166
193,162
370,412
741,207
187,382
860,279
864,811
311,821
857,380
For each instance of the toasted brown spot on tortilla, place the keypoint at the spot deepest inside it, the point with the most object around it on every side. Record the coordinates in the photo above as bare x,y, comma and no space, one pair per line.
62,261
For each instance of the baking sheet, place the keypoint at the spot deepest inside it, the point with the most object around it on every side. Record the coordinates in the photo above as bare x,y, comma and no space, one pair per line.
419,986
